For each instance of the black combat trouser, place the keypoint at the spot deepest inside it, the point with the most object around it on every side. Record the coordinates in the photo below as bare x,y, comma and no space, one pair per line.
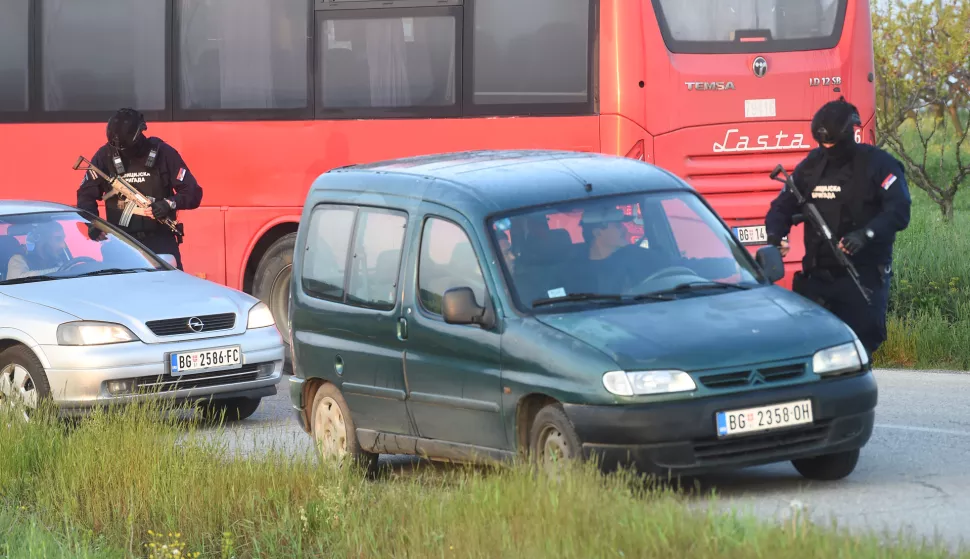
161,243
836,291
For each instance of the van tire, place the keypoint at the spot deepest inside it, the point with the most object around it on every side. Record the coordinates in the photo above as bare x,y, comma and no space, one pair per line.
328,411
828,467
553,432
271,285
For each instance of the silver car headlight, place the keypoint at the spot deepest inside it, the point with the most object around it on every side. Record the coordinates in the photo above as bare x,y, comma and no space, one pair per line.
260,316
839,359
640,383
93,333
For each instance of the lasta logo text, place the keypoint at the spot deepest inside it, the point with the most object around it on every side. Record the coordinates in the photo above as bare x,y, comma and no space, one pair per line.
734,142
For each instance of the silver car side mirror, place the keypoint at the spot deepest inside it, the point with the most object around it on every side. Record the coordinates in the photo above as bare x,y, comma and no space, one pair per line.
170,259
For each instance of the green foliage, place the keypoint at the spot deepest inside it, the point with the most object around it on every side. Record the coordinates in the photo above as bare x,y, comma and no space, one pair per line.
150,487
929,307
922,60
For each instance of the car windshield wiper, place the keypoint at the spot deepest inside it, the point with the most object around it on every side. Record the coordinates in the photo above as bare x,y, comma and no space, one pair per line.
113,271
30,279
577,297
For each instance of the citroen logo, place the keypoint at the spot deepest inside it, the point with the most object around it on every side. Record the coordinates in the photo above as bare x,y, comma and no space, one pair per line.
196,324
759,66
756,378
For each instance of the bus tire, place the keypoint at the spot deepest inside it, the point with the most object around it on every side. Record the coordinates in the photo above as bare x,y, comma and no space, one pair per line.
271,285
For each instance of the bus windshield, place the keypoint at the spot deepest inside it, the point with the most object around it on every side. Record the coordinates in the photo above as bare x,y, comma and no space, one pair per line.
721,26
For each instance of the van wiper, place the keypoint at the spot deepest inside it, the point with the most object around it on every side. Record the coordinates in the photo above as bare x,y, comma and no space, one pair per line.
696,285
29,279
112,271
577,297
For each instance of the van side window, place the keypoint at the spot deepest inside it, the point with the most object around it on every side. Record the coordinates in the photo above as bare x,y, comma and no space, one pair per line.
327,243
447,260
378,241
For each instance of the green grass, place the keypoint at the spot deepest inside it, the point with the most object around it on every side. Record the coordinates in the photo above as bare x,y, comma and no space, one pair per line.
121,475
929,319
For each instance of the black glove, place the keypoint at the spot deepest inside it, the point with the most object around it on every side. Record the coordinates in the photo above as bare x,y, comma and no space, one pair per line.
855,241
94,233
161,209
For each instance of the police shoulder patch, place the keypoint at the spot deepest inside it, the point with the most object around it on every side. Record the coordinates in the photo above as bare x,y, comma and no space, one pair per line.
181,174
888,181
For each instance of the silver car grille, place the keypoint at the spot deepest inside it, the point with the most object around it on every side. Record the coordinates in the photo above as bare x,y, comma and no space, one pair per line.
168,383
192,324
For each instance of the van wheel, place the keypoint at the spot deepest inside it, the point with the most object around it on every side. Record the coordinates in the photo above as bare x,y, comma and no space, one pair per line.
334,432
553,439
23,382
829,467
271,285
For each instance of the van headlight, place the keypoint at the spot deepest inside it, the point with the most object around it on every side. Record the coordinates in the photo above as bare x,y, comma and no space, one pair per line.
840,359
260,316
93,333
640,383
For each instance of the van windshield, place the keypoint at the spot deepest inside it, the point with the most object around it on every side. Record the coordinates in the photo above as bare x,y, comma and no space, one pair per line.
619,249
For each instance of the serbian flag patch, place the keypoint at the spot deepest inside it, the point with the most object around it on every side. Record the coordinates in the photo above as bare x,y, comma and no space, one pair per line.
181,175
888,181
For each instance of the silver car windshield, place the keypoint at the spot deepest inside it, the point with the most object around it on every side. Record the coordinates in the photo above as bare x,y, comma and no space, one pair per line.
617,249
61,245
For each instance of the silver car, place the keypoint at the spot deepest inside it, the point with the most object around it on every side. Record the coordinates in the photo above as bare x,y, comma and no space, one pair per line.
89,316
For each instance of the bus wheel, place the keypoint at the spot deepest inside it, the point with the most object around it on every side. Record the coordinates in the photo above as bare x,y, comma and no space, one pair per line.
272,286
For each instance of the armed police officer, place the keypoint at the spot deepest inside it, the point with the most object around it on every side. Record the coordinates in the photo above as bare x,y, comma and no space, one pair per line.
154,168
861,194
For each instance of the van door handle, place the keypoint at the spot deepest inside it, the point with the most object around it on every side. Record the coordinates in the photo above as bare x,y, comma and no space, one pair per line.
402,328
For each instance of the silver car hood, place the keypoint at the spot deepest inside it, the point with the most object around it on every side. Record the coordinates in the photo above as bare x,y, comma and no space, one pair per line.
133,299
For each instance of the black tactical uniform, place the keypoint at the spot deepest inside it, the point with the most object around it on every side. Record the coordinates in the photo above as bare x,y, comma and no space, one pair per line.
153,167
862,195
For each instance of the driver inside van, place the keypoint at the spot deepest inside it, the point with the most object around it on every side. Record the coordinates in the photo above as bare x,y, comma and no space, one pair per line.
613,264
46,253
606,270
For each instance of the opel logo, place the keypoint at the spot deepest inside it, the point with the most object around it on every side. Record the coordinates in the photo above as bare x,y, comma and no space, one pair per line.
196,324
759,66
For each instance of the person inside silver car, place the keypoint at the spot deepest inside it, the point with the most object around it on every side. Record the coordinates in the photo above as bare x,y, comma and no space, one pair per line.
46,253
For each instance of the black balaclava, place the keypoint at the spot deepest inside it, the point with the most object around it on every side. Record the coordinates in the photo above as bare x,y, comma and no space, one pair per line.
833,123
125,132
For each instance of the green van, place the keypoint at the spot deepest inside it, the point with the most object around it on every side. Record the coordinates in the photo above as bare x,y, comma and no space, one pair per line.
487,305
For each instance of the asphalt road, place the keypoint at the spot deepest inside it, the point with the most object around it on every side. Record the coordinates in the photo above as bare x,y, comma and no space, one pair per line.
913,477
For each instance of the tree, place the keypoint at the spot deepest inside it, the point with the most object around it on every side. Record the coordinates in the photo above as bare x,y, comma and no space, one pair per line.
922,59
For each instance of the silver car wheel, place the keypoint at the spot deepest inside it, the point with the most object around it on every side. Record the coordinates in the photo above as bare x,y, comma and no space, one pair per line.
329,429
17,389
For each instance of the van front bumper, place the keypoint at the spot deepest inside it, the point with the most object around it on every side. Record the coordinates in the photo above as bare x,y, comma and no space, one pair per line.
680,438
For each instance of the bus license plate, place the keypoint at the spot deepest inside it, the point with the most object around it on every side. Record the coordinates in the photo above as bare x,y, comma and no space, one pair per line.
198,361
751,235
764,418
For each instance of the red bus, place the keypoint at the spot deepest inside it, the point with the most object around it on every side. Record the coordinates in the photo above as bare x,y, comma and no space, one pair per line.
261,97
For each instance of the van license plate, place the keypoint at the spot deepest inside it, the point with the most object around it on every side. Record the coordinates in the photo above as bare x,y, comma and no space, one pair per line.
198,361
751,235
764,418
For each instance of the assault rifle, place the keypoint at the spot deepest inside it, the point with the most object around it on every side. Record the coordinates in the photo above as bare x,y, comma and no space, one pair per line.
134,200
812,215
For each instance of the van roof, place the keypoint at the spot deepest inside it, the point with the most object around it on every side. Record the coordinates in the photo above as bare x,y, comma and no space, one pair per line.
495,180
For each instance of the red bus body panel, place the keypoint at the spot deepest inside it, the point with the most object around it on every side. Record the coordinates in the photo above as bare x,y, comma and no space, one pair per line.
255,174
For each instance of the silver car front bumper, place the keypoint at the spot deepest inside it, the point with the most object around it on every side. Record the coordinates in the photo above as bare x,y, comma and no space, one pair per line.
79,375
